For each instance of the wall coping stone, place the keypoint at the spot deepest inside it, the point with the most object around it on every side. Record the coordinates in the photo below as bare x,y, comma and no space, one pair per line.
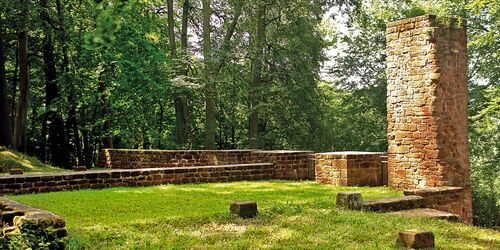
282,152
205,150
92,172
433,190
351,153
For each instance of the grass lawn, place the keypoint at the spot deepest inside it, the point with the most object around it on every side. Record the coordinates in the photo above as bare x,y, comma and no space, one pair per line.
10,159
292,215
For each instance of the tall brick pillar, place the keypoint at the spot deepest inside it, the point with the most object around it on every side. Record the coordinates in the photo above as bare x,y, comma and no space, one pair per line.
427,105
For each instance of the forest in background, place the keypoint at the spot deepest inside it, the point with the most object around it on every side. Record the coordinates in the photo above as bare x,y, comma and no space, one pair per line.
77,76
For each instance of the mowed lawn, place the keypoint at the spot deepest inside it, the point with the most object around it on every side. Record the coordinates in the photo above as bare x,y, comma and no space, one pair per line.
292,215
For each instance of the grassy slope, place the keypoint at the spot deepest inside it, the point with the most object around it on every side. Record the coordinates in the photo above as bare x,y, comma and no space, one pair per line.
10,159
292,215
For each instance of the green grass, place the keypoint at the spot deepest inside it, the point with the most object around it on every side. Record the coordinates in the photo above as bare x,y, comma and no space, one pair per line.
10,159
292,215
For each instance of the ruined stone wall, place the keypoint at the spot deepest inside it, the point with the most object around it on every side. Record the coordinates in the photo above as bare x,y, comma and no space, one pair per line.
40,183
45,226
350,168
290,165
427,104
448,199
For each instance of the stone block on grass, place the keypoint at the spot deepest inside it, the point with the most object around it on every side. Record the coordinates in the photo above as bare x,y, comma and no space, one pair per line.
79,168
16,171
244,209
416,239
350,200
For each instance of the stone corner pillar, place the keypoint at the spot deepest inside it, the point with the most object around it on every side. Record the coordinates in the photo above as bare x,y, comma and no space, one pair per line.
427,104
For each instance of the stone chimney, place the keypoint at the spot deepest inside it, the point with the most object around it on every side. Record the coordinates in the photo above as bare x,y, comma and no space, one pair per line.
427,104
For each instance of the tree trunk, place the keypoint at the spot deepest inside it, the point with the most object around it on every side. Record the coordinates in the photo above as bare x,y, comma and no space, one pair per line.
42,152
58,145
87,135
180,100
87,149
160,126
20,140
210,70
5,123
210,121
107,141
184,27
256,75
14,91
171,28
72,125
58,148
72,121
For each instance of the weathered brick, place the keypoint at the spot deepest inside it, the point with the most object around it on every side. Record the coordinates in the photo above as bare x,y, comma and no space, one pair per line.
428,149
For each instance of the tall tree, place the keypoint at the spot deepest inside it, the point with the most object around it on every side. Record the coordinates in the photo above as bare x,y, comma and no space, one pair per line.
180,99
260,37
107,140
210,111
20,138
71,122
59,152
5,123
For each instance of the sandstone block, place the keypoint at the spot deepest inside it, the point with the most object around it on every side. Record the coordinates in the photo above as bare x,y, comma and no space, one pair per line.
244,209
350,200
79,168
416,239
16,171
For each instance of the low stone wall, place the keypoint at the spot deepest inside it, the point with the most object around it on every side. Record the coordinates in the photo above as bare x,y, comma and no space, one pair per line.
448,199
290,165
350,168
134,158
45,226
23,184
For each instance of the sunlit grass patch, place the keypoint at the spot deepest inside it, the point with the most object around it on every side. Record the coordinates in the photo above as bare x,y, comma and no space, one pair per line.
10,159
292,215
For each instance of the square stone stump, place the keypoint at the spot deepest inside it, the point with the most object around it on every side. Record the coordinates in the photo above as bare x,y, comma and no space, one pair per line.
350,200
79,168
416,239
244,209
349,168
16,171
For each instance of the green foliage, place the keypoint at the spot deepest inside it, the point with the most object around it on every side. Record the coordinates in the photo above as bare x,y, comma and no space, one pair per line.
485,154
32,236
295,215
107,22
356,120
